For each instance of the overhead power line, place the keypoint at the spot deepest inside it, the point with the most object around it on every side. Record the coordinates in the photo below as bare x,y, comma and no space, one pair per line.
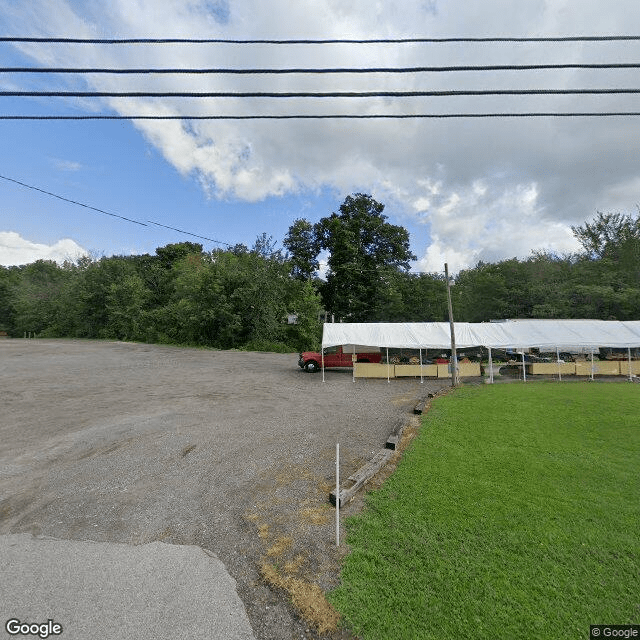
194,235
231,71
319,94
310,94
80,204
371,116
108,213
604,38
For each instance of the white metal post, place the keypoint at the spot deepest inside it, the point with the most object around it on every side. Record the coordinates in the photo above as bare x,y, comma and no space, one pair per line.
421,367
490,367
591,364
524,371
337,494
629,360
322,359
388,366
353,362
559,367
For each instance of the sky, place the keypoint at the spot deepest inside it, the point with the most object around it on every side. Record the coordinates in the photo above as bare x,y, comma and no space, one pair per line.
465,189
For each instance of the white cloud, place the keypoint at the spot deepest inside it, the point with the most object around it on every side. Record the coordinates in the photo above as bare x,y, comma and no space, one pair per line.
66,165
487,189
16,250
477,224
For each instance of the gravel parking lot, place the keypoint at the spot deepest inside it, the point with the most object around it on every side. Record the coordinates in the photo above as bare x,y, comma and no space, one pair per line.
231,451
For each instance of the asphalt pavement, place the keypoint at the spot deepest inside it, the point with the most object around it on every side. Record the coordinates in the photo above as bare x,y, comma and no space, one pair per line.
114,591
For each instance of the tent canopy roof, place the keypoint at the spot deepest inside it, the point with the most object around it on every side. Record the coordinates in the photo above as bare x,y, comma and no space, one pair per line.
508,334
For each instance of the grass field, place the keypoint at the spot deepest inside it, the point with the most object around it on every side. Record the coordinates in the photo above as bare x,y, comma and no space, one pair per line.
515,513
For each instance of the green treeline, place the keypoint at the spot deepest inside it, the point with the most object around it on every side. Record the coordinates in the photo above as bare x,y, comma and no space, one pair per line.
242,298
180,295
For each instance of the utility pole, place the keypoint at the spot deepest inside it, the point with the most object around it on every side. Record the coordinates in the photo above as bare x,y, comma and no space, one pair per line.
454,357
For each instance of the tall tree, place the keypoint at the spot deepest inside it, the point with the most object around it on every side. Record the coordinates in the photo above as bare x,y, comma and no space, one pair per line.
613,239
302,245
609,234
364,250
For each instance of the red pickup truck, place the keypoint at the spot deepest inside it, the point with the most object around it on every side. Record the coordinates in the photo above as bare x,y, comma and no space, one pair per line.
311,361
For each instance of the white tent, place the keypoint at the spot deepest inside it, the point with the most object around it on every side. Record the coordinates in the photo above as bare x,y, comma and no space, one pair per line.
553,335
550,334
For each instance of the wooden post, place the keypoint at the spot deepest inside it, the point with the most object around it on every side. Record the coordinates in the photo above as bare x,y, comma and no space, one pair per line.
454,357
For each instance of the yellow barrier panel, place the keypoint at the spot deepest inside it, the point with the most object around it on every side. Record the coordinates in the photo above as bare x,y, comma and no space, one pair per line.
551,368
635,368
372,370
600,368
468,369
443,371
428,370
465,370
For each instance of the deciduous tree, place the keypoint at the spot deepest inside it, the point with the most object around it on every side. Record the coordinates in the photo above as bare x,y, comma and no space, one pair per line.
364,250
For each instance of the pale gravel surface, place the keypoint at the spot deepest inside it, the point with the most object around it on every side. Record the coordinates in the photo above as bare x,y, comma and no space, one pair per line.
135,443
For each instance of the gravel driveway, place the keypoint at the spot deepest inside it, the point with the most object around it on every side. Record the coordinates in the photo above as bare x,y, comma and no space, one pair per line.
231,451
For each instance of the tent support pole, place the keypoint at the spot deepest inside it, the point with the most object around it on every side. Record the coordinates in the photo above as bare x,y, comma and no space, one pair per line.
629,361
421,368
524,371
388,366
353,362
490,367
322,359
592,365
559,367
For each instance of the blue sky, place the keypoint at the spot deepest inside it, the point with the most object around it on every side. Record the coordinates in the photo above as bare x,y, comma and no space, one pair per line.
108,165
466,190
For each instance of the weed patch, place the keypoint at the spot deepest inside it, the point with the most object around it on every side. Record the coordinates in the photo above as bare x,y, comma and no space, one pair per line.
307,598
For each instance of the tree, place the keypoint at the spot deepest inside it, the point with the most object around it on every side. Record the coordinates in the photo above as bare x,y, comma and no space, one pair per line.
302,245
364,251
36,297
480,294
609,234
200,310
306,334
171,253
265,246
613,241
8,284
126,302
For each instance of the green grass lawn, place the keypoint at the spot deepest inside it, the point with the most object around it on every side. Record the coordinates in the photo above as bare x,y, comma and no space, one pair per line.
514,514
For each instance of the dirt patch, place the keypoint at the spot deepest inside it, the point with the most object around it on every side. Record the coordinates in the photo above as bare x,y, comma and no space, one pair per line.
230,451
